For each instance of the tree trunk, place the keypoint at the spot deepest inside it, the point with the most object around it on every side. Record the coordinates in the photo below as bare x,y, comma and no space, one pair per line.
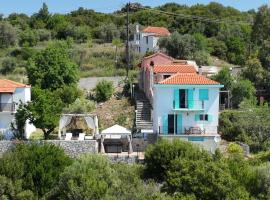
47,133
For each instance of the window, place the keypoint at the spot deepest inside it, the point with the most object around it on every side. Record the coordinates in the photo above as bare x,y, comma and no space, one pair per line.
146,38
183,98
203,117
166,76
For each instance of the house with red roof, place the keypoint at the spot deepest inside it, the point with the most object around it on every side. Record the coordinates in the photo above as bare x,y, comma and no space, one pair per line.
11,94
184,103
147,39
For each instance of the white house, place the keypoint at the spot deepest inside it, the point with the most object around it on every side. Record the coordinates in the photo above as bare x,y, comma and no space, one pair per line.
186,106
11,93
147,39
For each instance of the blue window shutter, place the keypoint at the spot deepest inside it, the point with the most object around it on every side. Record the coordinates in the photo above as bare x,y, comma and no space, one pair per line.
190,99
165,124
176,98
210,118
203,94
179,124
197,118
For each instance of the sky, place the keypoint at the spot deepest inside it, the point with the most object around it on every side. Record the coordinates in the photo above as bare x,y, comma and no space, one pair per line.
64,6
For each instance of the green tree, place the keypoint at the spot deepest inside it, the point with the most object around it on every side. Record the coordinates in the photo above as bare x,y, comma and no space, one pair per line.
89,177
264,54
37,166
204,179
241,90
236,50
45,109
158,157
81,106
104,90
8,66
224,77
8,35
28,38
261,25
253,71
52,68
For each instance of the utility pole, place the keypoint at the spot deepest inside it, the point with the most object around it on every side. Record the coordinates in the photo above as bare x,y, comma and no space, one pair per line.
127,42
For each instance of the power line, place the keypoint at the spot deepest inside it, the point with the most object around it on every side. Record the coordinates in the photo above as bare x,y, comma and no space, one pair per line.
198,18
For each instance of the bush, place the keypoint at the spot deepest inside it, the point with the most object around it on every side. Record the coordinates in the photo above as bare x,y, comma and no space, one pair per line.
38,166
8,66
158,157
43,34
8,35
28,38
80,106
235,148
104,90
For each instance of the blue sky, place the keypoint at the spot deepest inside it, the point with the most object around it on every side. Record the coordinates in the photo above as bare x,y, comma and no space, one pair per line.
64,6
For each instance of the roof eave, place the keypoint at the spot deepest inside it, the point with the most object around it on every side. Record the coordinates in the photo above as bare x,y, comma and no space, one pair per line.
190,86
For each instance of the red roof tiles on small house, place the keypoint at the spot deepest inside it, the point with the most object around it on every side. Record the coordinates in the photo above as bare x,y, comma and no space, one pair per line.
188,79
174,68
8,86
160,31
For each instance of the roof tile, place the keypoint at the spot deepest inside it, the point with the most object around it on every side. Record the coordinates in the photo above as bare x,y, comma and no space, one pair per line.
161,31
174,68
188,79
8,86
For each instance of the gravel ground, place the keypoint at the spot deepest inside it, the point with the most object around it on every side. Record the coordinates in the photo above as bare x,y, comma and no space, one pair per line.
90,83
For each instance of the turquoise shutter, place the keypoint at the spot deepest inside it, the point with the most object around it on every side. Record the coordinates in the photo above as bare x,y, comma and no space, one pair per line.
203,94
176,99
197,118
210,118
190,99
165,124
179,124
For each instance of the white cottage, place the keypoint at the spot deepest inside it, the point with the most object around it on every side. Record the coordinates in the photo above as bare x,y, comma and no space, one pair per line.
11,94
147,39
186,106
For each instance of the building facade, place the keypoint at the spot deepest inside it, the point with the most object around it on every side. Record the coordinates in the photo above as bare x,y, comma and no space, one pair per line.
11,95
147,39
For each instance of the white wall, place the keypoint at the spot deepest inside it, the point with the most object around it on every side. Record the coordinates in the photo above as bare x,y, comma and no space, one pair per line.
152,42
163,105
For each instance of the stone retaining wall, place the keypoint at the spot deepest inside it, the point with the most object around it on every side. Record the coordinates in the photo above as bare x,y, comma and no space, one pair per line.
73,148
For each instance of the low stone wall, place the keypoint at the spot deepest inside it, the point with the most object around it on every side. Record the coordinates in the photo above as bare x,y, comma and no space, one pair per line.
73,148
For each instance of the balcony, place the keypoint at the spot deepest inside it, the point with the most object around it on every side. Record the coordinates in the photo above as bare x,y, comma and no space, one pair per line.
7,107
194,105
188,131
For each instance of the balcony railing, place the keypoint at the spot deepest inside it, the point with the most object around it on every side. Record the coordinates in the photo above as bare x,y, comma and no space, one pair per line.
165,130
7,107
189,105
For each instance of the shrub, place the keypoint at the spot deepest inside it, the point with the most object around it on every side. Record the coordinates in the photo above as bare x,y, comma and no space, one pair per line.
104,90
158,157
8,35
38,166
8,66
235,148
80,106
28,38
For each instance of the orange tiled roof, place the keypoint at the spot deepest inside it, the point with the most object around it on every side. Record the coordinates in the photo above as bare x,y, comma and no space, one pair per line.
188,79
174,68
161,31
8,86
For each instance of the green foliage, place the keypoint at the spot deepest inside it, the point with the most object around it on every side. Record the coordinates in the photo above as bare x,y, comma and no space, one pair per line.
104,90
234,148
241,90
8,66
28,38
236,50
51,69
224,77
107,32
206,180
159,156
80,106
45,110
36,166
8,35
249,124
262,181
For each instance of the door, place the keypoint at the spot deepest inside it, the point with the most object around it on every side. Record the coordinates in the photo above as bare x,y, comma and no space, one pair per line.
183,98
171,124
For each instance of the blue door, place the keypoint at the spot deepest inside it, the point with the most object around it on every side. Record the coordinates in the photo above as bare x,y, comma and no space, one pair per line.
165,124
179,124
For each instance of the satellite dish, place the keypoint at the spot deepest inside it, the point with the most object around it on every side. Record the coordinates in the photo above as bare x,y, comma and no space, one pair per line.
217,139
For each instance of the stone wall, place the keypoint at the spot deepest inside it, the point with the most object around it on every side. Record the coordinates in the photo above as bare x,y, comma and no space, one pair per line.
73,148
